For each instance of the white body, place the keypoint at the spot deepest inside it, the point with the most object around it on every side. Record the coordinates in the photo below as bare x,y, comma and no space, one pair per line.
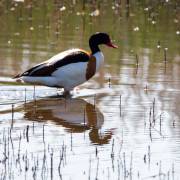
67,76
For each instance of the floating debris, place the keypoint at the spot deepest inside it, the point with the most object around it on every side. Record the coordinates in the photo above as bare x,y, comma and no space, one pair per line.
80,13
113,7
31,28
63,8
95,13
12,9
158,45
132,15
176,21
136,28
178,32
17,34
146,9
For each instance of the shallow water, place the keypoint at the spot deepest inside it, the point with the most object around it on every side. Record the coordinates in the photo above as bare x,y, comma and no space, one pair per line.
122,124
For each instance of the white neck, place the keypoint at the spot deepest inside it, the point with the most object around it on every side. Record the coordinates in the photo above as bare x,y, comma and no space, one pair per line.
99,59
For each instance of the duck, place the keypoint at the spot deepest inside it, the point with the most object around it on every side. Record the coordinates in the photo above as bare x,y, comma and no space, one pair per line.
69,68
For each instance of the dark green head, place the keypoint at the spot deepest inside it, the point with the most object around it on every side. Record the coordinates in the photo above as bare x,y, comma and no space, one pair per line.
98,39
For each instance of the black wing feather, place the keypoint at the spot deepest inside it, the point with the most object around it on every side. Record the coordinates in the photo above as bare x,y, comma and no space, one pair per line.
48,68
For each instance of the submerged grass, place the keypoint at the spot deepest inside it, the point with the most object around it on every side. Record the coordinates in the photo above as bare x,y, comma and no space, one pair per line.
20,158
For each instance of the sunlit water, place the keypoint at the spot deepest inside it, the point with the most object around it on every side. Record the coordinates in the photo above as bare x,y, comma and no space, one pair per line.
122,124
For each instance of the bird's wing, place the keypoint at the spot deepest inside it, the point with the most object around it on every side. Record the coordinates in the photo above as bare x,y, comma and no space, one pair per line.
62,59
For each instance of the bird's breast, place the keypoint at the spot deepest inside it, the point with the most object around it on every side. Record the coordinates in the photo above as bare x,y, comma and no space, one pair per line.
95,62
91,67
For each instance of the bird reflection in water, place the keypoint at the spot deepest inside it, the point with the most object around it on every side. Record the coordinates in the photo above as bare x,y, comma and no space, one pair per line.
75,115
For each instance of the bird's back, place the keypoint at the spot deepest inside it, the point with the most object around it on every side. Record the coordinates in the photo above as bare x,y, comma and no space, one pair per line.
64,58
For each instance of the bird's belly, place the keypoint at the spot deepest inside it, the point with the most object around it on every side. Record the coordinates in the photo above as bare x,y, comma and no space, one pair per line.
71,75
40,80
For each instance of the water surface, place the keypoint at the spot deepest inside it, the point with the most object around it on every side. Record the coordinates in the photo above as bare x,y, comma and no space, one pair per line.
122,124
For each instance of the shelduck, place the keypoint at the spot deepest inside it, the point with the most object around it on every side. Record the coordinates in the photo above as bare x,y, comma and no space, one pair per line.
69,68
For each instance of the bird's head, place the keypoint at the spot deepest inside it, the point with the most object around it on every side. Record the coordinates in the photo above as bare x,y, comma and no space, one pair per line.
101,38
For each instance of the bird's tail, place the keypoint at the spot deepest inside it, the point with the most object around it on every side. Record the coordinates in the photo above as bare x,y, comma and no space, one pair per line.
17,76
